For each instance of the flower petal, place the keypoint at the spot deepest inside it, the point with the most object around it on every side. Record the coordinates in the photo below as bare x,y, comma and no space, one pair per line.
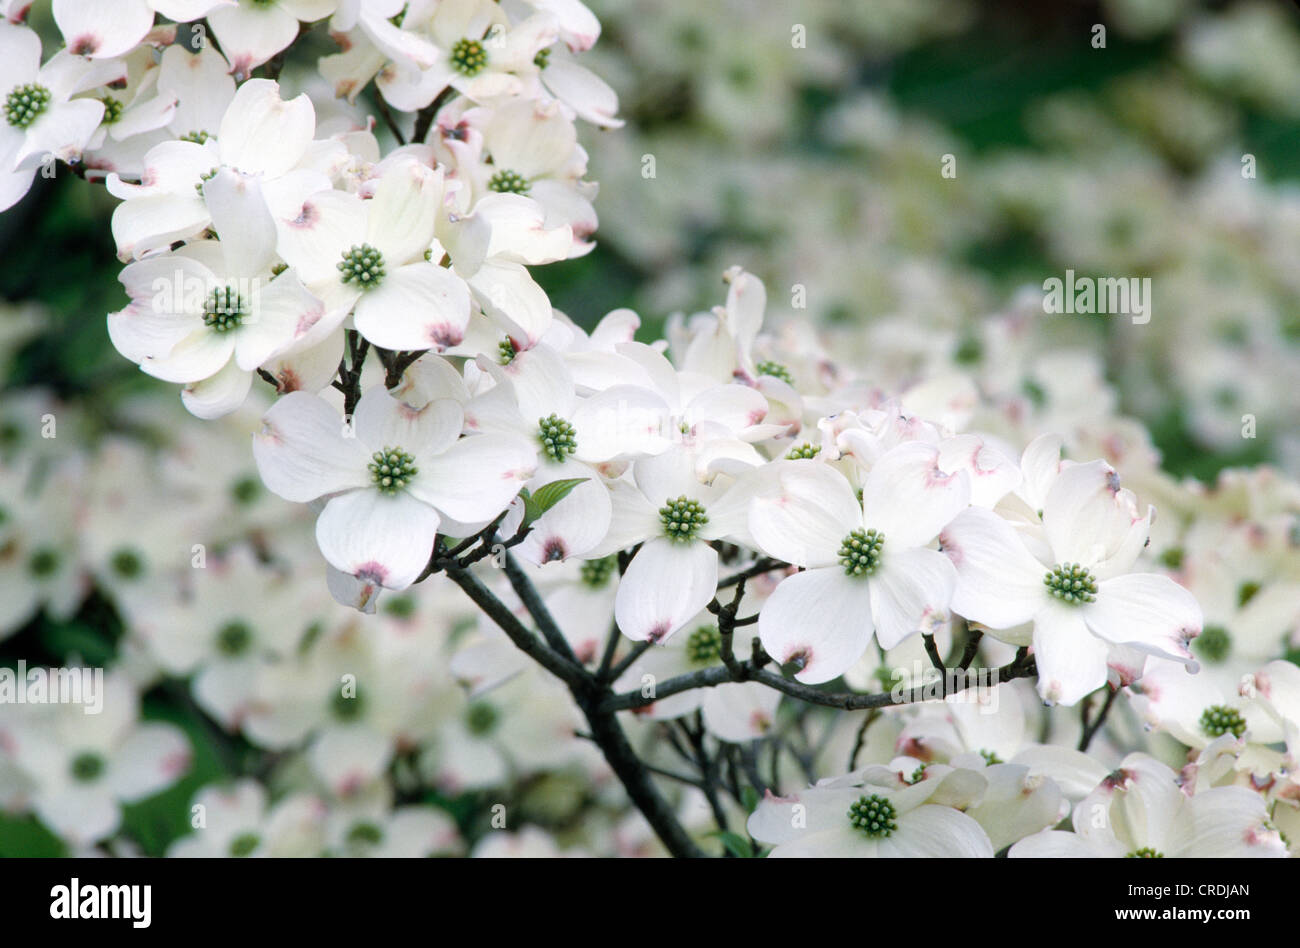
665,586
998,583
302,452
476,478
1148,612
419,306
1071,660
819,617
909,499
374,536
909,588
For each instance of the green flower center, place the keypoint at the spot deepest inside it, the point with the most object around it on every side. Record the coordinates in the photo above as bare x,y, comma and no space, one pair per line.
363,265
401,607
223,310
345,707
44,562
362,835
682,519
392,469
244,844
918,774
199,137
1172,557
1219,719
87,766
245,490
508,182
874,815
506,352
861,551
481,717
112,109
776,370
234,638
1071,583
204,179
596,573
542,58
990,757
25,104
127,563
1146,852
704,645
557,437
969,351
1213,644
468,57
802,452
1246,592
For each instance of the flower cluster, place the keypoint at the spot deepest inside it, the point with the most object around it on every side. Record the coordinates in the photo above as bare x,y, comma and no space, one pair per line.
530,528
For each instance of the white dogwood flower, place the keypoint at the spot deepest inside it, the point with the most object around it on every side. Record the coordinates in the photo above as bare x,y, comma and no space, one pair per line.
1140,811
389,486
42,119
868,566
370,256
875,815
1075,586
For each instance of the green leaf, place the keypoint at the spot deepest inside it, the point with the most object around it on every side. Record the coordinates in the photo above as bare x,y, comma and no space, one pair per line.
737,845
547,496
749,797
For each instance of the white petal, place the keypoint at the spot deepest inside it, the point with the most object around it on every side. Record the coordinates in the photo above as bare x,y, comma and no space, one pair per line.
63,131
420,306
511,297
407,201
574,525
1148,612
476,478
1053,844
378,537
998,583
819,616
807,519
218,394
665,586
1071,660
280,315
261,133
200,355
242,221
384,421
1088,519
1229,823
319,231
909,499
909,591
251,33
152,758
621,421
1040,465
735,406
583,91
302,452
740,711
96,28
932,831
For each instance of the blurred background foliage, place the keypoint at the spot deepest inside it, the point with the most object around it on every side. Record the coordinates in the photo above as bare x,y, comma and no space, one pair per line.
819,165
719,88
